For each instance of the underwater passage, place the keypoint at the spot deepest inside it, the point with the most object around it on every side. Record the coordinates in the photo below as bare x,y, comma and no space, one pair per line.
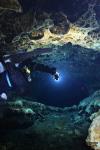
49,74
66,91
17,77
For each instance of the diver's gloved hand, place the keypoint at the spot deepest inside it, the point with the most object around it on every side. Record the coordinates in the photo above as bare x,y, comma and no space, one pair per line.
56,76
55,73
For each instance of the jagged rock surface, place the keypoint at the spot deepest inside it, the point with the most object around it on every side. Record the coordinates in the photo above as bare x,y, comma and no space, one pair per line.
34,29
91,106
11,5
26,125
93,138
42,127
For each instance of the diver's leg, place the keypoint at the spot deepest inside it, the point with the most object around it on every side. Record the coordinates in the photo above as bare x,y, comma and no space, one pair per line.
19,82
4,97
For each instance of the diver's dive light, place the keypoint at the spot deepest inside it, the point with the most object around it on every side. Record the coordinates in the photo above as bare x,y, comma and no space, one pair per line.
56,76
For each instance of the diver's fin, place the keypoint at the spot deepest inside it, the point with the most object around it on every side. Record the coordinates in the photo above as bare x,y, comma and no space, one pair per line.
3,96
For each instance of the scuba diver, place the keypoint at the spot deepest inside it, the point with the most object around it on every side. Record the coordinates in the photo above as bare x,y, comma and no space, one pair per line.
16,73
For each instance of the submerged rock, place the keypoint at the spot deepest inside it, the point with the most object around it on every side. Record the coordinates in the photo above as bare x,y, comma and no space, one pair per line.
61,24
91,107
11,5
46,127
15,117
47,29
93,138
91,104
42,127
36,35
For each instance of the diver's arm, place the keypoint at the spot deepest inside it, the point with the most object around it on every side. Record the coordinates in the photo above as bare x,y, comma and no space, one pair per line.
43,68
30,66
33,66
47,69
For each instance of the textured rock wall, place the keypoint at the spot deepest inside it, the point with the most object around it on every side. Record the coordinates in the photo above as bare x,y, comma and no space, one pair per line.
30,125
93,138
42,29
11,5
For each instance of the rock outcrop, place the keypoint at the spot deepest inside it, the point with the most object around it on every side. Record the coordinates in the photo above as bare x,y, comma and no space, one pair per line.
33,30
26,124
11,5
91,106
93,138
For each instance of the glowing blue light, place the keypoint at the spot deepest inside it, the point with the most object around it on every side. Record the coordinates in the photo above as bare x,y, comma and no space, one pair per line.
63,76
60,79
56,76
57,81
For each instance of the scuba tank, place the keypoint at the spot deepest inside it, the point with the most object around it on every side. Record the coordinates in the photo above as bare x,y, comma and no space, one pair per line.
16,77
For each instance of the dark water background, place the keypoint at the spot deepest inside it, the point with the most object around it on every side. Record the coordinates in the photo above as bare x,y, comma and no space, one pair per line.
67,91
72,8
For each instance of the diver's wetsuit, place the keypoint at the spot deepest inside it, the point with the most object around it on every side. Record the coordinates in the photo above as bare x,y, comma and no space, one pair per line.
18,81
33,66
5,84
17,77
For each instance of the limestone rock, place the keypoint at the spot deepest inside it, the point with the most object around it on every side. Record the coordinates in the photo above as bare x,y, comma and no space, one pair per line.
93,138
36,35
11,5
91,104
41,127
61,24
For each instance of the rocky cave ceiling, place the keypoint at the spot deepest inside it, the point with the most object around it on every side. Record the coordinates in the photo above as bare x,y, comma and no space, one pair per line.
40,26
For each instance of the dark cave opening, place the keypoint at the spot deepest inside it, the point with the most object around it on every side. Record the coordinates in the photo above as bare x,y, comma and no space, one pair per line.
67,91
72,9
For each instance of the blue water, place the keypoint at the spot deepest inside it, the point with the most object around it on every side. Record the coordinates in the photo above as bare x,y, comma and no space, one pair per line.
67,91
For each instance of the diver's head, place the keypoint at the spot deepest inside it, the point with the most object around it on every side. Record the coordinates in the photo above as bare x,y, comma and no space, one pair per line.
55,74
